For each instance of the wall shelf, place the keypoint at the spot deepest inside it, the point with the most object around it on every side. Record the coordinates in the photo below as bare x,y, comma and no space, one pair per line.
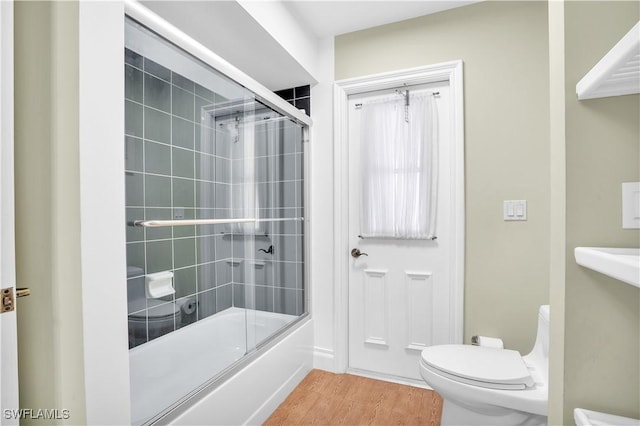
617,73
619,263
587,418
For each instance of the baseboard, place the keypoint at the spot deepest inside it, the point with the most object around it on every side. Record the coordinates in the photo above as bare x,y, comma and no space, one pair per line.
390,378
324,359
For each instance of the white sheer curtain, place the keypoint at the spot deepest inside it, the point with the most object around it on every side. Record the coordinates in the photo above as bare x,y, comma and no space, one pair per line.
246,198
399,167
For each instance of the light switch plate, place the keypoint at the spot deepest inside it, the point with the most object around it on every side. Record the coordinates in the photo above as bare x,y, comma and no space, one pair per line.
631,205
515,210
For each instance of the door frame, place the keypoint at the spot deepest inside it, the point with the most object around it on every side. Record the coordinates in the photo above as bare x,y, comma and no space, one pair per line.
452,73
8,321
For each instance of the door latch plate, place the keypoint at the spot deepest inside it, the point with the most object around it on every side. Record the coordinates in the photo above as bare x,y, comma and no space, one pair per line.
8,301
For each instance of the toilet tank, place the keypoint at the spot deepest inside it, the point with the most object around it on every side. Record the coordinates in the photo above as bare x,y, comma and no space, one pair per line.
542,337
539,355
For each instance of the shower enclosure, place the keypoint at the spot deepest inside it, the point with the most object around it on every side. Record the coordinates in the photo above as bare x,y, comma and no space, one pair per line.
215,199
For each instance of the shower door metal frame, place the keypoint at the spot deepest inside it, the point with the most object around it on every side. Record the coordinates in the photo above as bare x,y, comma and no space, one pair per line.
153,22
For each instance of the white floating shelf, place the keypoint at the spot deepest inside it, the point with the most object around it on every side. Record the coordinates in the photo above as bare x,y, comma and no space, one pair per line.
594,418
617,73
620,263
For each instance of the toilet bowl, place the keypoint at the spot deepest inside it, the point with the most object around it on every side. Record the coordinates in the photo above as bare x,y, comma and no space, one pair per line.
489,386
157,321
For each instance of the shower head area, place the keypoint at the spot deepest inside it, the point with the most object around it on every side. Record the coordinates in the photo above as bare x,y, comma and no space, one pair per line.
215,221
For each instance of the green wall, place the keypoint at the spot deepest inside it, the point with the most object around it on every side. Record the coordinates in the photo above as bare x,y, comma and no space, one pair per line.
570,172
602,315
51,371
504,47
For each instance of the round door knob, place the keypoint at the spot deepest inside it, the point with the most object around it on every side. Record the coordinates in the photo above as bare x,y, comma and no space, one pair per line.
357,253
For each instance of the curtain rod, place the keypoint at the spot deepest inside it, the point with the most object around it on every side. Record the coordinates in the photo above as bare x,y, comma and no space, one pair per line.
395,238
359,105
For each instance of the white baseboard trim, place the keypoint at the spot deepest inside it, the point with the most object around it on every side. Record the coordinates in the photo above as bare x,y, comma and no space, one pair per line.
389,378
324,359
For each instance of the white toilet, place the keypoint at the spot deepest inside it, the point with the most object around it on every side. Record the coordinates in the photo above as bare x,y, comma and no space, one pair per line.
488,386
148,318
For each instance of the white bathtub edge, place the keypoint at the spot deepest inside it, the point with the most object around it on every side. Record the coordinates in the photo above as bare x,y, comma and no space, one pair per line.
270,405
252,394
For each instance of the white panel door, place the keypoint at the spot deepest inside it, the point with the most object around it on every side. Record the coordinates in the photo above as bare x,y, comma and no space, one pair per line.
399,292
8,334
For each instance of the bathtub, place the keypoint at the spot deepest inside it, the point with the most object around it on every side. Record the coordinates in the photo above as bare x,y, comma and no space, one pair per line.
166,369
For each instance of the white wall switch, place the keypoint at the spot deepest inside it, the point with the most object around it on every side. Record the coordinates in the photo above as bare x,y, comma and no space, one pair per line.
631,205
515,210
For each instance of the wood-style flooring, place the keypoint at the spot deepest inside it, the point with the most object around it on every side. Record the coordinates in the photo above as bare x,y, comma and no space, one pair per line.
324,398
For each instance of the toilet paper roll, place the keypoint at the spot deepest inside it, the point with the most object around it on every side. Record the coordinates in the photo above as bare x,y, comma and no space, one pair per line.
489,342
189,306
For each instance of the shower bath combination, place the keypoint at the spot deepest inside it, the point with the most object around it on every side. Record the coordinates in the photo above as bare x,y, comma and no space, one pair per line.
215,207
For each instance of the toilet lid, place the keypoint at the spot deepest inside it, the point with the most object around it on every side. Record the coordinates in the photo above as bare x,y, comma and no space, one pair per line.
478,365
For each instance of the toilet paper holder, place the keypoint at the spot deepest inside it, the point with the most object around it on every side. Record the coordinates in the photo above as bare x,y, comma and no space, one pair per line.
159,284
489,342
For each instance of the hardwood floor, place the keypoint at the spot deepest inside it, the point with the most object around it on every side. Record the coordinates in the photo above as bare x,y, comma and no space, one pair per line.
324,398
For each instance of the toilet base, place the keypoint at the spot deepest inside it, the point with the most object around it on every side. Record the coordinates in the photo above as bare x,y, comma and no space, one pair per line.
454,413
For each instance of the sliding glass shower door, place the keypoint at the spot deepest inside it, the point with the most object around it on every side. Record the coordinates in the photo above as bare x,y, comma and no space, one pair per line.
271,190
215,222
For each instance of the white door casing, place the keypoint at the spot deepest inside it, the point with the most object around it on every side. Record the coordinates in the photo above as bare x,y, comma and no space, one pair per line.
8,326
417,283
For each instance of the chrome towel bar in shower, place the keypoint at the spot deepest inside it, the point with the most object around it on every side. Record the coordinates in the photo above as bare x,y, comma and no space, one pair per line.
185,222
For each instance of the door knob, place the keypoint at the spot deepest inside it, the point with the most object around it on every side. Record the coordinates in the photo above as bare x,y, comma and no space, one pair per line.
357,253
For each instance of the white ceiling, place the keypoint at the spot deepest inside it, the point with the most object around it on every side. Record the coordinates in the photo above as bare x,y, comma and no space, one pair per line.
227,29
331,18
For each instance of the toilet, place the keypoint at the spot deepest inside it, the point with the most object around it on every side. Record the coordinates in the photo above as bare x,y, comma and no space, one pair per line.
155,322
489,386
148,318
